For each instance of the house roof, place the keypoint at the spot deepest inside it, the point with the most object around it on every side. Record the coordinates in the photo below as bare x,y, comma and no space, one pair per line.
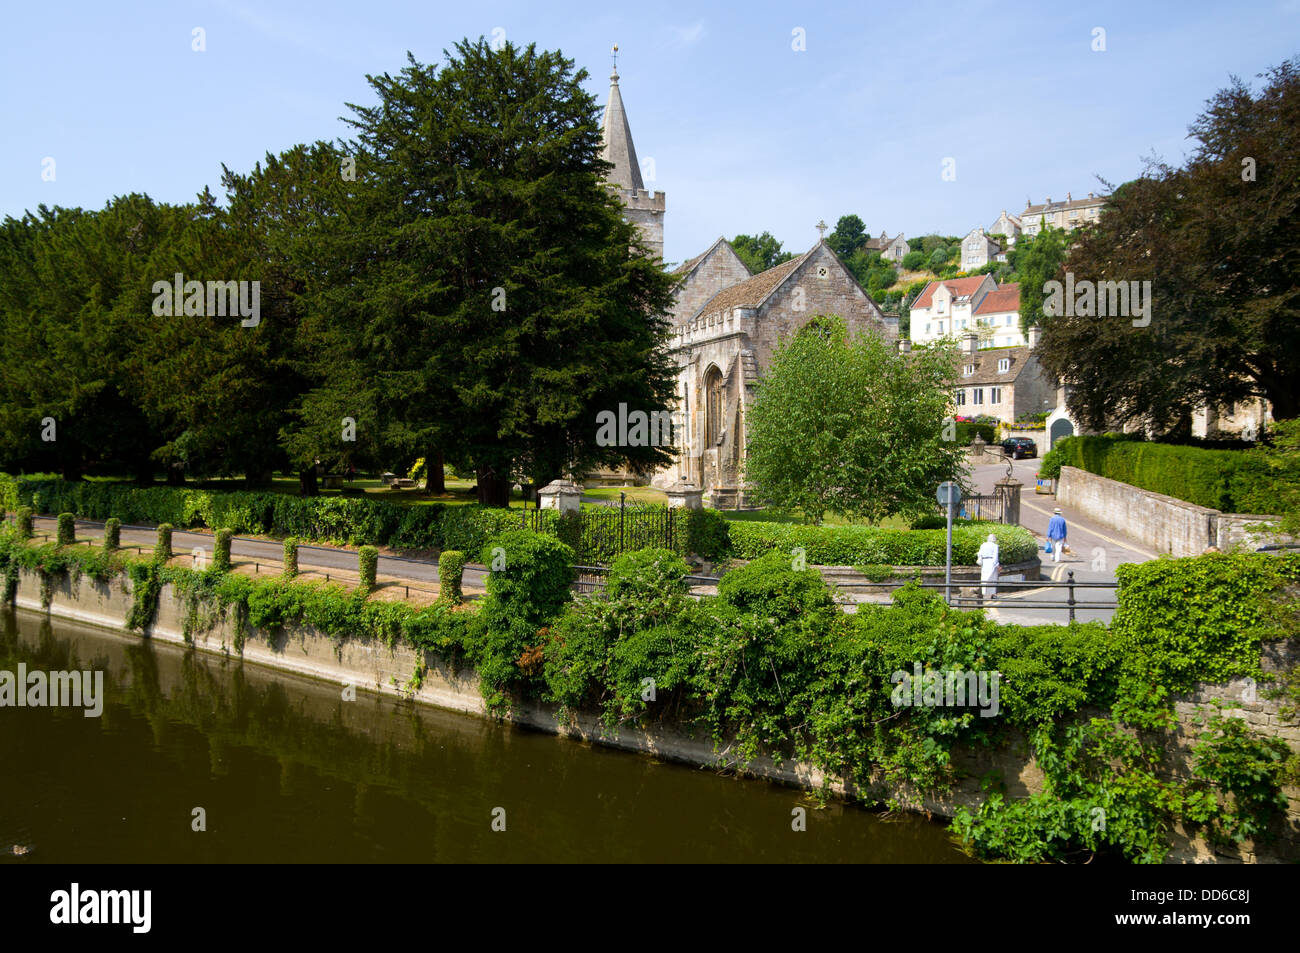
959,287
986,366
881,243
1050,206
1005,298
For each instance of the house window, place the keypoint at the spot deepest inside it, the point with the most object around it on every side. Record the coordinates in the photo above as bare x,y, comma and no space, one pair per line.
941,327
977,395
1004,365
927,327
995,395
963,324
1009,320
968,370
961,398
938,306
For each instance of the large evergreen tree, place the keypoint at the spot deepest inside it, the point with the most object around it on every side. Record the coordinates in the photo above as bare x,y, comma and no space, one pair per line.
489,300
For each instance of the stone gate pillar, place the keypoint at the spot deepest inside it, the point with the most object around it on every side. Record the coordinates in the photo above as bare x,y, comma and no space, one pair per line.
1008,490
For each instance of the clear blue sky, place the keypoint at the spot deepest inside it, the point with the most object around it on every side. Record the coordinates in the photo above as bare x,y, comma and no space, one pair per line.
746,134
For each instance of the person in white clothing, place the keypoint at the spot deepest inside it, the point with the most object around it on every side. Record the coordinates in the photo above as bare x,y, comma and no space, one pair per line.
987,557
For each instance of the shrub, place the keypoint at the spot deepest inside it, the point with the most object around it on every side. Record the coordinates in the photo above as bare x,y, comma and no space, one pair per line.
861,545
67,532
23,521
967,429
523,596
162,550
112,534
451,568
221,551
291,556
368,563
645,574
708,534
770,587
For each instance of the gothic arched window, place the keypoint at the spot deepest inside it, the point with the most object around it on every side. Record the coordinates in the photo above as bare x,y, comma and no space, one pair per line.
713,404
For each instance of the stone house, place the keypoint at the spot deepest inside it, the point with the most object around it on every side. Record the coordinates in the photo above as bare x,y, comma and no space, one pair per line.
1068,215
946,308
891,249
978,249
1007,225
1001,382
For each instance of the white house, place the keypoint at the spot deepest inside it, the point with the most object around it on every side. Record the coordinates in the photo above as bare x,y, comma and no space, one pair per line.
945,309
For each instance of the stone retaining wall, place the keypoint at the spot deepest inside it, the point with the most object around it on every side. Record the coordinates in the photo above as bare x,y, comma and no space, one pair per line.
378,668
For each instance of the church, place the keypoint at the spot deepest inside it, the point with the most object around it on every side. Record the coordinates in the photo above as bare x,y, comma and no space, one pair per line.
726,325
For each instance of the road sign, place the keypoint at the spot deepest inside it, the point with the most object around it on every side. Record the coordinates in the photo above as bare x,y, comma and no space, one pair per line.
948,493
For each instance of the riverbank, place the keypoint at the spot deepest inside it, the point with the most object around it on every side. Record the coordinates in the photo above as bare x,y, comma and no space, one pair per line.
438,679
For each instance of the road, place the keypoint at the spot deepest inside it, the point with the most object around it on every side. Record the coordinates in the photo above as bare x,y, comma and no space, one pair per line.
268,555
1095,551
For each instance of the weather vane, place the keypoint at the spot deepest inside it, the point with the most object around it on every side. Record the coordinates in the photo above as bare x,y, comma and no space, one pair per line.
614,57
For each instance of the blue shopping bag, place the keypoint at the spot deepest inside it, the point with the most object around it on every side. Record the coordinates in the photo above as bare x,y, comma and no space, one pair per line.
1047,547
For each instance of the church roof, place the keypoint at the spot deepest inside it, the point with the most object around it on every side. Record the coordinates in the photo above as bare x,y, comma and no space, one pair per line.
754,291
618,148
686,267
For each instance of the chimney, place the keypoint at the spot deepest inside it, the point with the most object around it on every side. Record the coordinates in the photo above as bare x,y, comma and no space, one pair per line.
1067,197
1049,200
1034,333
971,344
1090,195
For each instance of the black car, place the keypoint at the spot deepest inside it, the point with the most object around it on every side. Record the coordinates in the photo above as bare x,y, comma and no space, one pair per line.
1017,447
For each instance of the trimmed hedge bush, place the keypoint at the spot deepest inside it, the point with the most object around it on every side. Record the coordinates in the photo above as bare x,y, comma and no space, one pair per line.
23,521
221,551
861,545
291,556
112,534
162,550
368,563
67,533
451,568
1233,481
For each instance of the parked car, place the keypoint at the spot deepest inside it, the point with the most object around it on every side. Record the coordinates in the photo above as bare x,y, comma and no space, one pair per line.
1017,447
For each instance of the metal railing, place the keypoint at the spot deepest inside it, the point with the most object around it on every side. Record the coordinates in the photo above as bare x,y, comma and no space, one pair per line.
1071,605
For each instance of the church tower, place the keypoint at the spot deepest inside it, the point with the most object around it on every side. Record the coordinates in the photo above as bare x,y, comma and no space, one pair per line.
643,208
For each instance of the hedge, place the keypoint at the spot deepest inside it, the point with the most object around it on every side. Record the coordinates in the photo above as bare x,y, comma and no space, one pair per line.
862,545
1233,481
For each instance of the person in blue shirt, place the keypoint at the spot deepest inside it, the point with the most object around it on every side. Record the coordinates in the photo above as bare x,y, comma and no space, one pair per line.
1056,532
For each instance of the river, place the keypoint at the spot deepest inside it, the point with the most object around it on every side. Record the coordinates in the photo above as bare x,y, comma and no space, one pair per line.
282,769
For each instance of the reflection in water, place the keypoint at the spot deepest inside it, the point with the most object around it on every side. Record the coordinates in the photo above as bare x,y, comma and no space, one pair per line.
286,770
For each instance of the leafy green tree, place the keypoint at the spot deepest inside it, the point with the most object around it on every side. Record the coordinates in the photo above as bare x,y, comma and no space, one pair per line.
759,253
1036,260
914,260
850,426
1217,240
850,235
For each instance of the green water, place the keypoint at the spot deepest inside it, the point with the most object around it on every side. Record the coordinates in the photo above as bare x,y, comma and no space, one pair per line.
286,770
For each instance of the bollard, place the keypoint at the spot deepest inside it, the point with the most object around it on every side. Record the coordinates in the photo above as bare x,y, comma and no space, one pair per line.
1070,582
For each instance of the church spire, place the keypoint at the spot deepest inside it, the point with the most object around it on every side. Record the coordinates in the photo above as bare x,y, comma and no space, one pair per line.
618,148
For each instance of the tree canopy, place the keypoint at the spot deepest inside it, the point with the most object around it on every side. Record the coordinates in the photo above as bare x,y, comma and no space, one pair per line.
760,252
850,426
1217,240
457,281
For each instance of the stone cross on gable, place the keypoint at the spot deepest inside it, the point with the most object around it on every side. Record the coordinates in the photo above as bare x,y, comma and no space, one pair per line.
821,229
